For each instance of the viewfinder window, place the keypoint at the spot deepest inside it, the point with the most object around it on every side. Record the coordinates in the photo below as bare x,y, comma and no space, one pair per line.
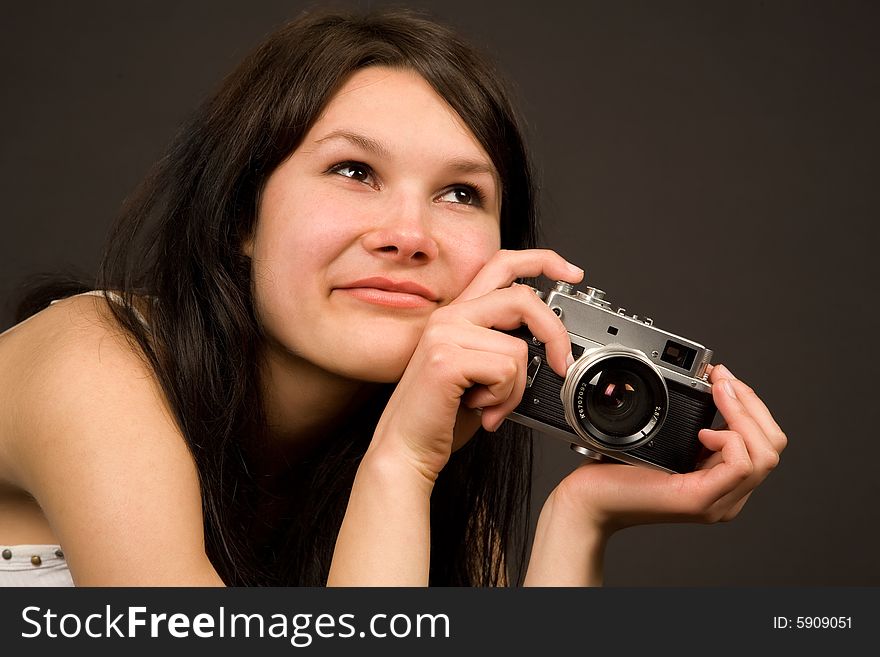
678,355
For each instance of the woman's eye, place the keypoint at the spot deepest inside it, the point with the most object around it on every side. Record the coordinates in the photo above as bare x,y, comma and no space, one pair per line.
463,195
353,170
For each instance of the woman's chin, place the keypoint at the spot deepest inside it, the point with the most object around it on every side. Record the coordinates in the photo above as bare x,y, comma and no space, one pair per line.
381,353
377,368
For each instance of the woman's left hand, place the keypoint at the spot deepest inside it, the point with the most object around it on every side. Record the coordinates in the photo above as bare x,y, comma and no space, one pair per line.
598,499
741,455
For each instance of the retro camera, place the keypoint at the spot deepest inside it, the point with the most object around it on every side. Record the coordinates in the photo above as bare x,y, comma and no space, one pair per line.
635,393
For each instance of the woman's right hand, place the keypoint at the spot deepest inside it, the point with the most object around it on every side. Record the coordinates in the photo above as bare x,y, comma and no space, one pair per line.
462,363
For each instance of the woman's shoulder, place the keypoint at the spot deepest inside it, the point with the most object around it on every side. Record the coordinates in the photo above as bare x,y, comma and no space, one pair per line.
72,364
66,323
73,347
90,435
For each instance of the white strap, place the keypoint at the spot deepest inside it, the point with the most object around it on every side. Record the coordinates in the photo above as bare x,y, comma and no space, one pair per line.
114,297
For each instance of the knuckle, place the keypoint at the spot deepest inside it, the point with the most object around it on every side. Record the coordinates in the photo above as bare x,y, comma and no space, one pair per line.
509,368
440,316
440,356
780,440
771,460
432,329
744,469
433,332
522,351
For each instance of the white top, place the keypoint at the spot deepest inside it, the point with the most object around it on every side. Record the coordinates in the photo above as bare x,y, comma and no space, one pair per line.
33,565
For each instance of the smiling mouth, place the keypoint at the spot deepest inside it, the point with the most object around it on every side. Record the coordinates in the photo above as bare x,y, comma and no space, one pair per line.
384,292
387,297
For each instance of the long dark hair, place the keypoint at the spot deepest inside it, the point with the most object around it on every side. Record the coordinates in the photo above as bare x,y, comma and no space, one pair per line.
178,242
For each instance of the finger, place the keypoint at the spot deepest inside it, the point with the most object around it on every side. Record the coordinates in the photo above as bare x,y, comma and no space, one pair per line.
496,410
495,415
499,374
755,406
480,339
730,470
512,307
506,266
481,397
496,374
709,458
762,451
730,504
733,512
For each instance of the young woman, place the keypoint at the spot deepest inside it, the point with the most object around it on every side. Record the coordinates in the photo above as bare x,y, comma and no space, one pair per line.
292,370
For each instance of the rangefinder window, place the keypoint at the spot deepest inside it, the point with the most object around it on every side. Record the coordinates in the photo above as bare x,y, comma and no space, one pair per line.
678,355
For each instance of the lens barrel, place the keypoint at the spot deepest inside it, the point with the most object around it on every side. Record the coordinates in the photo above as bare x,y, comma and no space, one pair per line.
614,397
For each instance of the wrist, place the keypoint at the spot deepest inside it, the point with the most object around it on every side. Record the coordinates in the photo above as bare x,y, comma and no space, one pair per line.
569,545
385,535
572,501
393,467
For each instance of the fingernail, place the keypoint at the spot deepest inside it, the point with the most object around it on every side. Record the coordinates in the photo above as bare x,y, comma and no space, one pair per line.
577,271
728,388
726,373
569,360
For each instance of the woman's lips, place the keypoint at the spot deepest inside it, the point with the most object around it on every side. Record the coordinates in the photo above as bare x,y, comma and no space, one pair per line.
386,297
385,292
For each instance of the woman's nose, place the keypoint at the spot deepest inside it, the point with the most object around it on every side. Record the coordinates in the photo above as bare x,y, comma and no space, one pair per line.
404,235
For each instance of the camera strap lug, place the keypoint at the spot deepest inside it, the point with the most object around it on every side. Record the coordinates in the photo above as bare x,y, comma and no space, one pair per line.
532,370
596,456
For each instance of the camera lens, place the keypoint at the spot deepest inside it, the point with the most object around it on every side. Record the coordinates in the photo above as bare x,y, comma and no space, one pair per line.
616,398
619,402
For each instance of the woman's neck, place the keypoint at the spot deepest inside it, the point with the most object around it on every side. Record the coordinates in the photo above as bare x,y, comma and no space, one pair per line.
303,402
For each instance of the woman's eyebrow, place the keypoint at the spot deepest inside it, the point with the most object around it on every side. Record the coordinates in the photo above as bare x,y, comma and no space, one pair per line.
466,165
377,148
361,141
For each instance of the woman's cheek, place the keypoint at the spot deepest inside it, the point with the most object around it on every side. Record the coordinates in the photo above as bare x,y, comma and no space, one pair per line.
476,254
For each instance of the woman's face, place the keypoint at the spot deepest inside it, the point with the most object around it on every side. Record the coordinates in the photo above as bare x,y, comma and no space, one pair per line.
384,213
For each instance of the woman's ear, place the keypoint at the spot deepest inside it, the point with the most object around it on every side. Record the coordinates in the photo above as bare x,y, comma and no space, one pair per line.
247,246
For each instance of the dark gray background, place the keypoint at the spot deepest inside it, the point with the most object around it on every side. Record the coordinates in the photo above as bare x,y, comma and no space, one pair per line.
711,164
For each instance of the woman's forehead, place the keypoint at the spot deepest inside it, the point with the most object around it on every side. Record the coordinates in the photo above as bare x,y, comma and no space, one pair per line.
388,110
